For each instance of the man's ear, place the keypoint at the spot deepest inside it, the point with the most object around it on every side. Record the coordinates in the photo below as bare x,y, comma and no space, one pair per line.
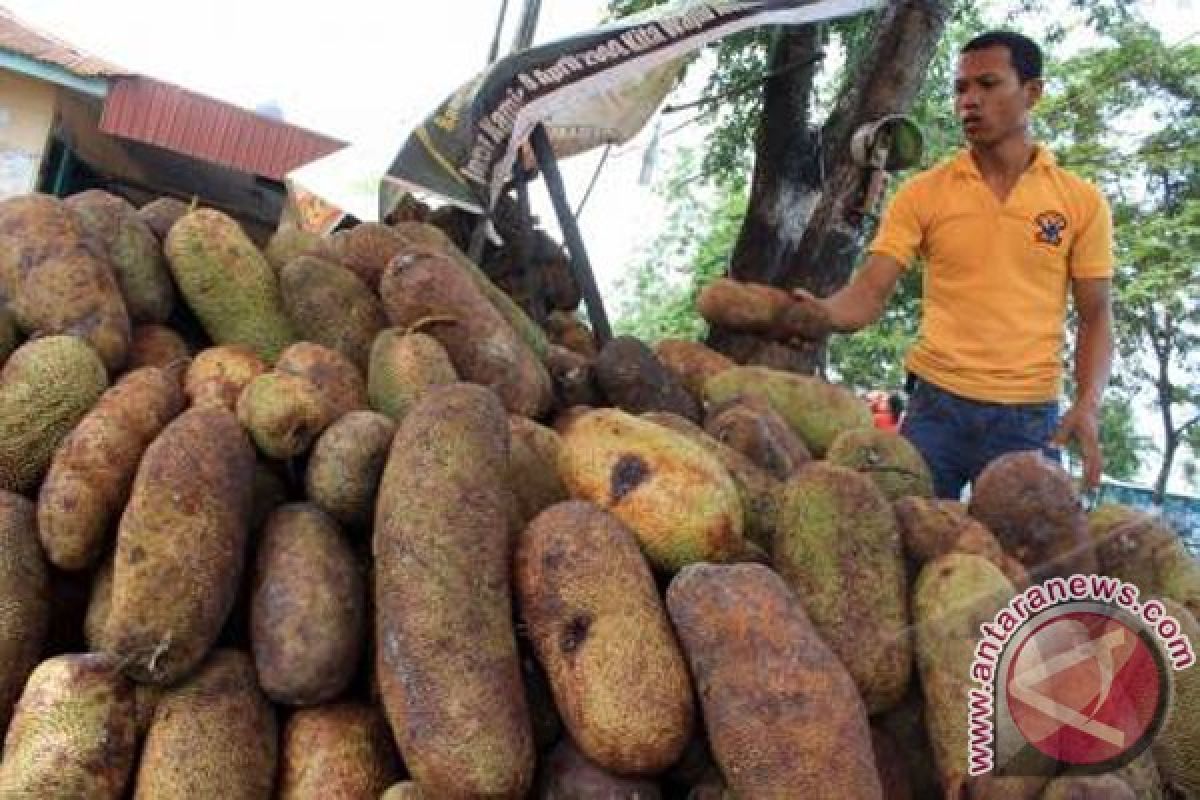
1033,91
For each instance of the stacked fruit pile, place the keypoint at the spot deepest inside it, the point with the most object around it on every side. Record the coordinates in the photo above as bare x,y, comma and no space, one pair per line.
302,521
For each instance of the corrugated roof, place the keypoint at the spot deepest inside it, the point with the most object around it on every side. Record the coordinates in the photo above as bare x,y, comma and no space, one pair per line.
22,38
175,118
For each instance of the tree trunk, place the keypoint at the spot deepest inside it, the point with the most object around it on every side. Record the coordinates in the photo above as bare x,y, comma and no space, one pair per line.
796,231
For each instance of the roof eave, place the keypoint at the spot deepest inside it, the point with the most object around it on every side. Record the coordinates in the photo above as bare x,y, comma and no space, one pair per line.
52,73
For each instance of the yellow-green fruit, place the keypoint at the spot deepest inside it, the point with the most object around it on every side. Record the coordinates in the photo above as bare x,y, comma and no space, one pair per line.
406,790
73,733
955,594
56,279
228,283
783,716
283,413
346,465
10,337
288,244
180,546
217,375
307,614
817,411
1177,746
133,251
46,387
336,751
214,735
838,546
402,368
340,383
886,458
676,497
533,468
758,491
161,213
428,289
598,626
442,569
692,363
1142,549
88,481
157,346
330,305
24,598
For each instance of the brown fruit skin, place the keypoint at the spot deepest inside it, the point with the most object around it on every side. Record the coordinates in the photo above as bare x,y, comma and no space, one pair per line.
783,716
1142,549
566,329
181,545
427,288
533,468
73,733
568,775
598,627
24,598
160,214
366,249
340,382
692,363
758,308
307,613
893,770
755,430
217,375
156,346
214,735
932,527
336,752
346,466
283,413
89,479
55,277
634,380
1177,745
1088,787
574,378
329,305
442,558
1031,506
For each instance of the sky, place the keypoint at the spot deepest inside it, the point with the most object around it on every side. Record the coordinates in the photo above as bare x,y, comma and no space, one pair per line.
357,69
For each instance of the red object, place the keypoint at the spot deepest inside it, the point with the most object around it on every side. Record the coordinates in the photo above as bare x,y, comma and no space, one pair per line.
177,119
881,411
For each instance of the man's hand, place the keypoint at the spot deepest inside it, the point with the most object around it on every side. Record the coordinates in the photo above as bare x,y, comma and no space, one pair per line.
1082,424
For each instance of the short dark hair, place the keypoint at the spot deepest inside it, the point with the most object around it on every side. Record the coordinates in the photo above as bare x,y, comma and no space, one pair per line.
1024,53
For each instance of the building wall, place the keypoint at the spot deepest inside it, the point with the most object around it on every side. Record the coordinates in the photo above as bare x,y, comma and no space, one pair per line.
26,116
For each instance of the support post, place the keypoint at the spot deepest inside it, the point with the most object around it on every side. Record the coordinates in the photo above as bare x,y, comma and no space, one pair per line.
581,268
524,246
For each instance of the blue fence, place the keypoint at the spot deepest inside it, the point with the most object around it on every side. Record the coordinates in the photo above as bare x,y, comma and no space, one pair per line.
1181,511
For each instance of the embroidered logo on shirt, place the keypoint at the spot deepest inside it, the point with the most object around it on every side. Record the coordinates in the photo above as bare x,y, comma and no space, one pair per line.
1050,225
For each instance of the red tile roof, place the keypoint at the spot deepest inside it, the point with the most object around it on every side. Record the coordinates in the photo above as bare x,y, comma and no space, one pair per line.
20,37
174,118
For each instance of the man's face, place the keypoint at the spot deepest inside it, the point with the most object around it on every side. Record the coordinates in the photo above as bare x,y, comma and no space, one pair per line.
989,98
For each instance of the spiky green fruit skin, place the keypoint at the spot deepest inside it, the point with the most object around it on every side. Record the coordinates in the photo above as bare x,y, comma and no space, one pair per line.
403,367
887,458
838,546
228,283
133,251
214,735
1142,549
817,411
73,733
46,388
24,598
341,750
1177,746
284,413
676,496
181,546
443,555
329,305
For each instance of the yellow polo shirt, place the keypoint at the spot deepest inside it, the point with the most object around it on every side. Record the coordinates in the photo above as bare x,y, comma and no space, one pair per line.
996,274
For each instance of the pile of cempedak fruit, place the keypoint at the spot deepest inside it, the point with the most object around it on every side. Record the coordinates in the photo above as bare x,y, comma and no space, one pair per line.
334,518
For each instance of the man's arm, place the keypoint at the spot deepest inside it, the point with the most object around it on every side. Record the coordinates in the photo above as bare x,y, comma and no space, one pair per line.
1093,362
860,302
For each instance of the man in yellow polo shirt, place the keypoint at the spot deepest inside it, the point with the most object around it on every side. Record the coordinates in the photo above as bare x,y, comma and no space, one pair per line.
1005,233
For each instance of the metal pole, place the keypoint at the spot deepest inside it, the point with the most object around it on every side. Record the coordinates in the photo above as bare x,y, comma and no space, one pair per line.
523,246
494,50
581,268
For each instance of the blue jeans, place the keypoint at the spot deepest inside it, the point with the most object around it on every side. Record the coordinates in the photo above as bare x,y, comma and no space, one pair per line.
959,437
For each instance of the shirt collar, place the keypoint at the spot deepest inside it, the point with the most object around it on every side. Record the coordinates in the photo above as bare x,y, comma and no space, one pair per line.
965,165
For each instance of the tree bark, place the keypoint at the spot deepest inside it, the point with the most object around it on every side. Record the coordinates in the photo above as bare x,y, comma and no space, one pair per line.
796,231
